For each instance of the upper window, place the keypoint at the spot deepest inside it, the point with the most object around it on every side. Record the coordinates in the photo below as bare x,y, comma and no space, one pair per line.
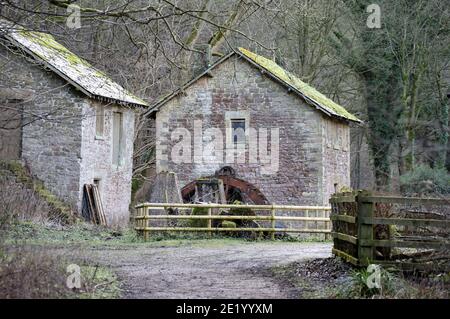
117,138
237,128
99,120
238,131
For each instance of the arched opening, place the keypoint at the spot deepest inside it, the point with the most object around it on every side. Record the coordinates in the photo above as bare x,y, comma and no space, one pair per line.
234,189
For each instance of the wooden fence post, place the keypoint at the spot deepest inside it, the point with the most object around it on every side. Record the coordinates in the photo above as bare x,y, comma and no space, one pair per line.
145,223
209,221
327,224
272,224
365,231
307,223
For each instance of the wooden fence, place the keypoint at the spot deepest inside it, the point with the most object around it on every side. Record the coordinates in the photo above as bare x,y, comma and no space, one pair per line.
367,229
143,218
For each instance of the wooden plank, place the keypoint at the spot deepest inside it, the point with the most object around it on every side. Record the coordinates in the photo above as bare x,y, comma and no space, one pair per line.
327,224
246,217
200,229
365,231
405,243
272,223
343,199
406,222
404,200
345,256
413,266
99,205
215,205
86,206
348,238
209,221
92,207
344,218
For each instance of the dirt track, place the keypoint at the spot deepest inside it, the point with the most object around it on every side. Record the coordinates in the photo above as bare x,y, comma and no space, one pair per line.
215,270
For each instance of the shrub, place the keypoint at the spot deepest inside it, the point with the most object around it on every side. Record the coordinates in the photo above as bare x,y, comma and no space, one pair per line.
360,279
425,180
26,198
228,224
198,222
35,273
18,203
31,273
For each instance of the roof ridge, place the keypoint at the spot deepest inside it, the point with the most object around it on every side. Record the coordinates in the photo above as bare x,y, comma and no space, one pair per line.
307,92
74,69
304,88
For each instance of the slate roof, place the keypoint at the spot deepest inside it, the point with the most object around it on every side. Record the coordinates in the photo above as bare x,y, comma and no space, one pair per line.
68,65
277,73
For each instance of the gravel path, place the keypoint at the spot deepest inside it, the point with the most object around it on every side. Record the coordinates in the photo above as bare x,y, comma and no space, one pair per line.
231,270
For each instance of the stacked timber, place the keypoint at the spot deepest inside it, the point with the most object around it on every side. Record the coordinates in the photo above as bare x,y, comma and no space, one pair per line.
92,207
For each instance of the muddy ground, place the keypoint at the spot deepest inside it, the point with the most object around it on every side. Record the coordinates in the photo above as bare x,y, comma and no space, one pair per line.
215,270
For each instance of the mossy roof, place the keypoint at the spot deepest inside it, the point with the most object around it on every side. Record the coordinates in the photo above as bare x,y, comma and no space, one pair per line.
71,67
309,94
303,88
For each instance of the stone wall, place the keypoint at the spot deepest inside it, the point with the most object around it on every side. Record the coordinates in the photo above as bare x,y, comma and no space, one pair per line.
51,136
236,86
336,157
96,163
61,148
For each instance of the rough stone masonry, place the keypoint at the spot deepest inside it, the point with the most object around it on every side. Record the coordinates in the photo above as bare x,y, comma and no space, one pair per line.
59,143
314,148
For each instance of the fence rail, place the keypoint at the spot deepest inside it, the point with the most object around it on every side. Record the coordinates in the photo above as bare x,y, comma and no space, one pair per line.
144,217
355,221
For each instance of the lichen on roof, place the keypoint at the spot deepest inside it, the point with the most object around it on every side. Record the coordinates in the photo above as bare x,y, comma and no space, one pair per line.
67,64
305,89
49,42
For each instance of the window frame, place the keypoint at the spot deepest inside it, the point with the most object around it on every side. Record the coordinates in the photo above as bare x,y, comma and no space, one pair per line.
242,115
99,118
117,160
233,136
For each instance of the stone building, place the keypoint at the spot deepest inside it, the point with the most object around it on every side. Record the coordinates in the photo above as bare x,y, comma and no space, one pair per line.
237,105
68,122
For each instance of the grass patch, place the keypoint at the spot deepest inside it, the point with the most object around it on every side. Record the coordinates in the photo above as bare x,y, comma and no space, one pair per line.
86,234
97,283
35,273
78,233
58,210
331,278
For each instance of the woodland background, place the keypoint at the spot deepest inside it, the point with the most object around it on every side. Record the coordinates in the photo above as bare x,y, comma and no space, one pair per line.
395,78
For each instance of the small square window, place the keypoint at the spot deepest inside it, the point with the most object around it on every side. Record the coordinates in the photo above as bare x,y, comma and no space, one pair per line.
99,121
238,131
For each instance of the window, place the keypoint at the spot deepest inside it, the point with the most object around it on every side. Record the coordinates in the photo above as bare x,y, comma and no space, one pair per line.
238,131
237,128
99,120
117,138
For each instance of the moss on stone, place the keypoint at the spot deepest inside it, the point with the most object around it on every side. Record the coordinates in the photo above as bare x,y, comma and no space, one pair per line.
48,41
198,222
59,209
49,48
298,84
228,224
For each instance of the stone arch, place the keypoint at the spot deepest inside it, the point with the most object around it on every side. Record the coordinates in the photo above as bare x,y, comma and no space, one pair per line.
231,183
